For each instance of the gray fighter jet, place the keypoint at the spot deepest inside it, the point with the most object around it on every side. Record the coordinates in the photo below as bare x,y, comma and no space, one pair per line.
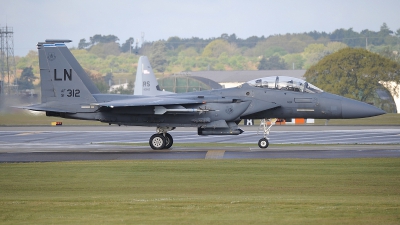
68,92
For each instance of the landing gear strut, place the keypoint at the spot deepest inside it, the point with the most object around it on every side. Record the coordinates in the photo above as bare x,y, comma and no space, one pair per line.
263,142
161,140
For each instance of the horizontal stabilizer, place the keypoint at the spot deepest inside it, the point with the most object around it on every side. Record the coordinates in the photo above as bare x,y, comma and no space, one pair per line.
45,107
57,41
150,101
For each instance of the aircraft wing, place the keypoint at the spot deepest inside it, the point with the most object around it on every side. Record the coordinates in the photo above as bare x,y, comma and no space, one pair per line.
150,101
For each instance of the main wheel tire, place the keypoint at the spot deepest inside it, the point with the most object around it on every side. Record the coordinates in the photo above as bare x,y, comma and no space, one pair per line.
168,141
263,143
157,141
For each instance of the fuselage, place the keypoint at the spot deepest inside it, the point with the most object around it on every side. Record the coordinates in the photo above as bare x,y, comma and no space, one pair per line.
233,104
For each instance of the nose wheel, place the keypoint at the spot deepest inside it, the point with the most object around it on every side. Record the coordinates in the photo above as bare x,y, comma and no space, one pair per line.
263,143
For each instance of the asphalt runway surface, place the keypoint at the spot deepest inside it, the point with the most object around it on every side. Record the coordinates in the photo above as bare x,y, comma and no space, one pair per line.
70,143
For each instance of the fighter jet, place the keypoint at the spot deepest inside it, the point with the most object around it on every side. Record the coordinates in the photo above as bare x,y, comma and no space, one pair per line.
68,92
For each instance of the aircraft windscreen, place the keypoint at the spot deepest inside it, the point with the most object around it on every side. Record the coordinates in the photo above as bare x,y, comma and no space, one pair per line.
285,83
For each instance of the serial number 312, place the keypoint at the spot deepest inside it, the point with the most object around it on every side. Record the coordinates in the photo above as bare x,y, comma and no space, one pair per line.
70,93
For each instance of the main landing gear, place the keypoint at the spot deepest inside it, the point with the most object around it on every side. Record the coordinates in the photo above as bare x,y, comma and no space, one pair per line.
263,142
161,140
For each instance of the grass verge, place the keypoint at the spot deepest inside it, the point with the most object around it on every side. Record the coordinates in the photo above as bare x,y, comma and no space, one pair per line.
26,118
284,191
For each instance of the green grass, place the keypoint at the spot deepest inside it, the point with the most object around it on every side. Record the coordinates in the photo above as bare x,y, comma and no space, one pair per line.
288,191
40,119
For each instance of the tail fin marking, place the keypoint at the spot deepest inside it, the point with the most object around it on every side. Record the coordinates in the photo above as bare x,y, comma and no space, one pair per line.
63,79
146,82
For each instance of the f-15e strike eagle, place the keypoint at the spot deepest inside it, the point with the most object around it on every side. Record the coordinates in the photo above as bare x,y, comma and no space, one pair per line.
68,92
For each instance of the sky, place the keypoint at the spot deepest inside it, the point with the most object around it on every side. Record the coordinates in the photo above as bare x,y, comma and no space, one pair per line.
36,20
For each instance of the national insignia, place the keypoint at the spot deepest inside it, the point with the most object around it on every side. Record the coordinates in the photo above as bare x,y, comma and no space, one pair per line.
51,56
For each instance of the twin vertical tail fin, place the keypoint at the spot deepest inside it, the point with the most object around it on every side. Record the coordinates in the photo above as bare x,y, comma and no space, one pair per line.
146,82
65,86
64,83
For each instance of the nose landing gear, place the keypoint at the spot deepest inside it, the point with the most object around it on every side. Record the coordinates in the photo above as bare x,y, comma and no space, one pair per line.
263,142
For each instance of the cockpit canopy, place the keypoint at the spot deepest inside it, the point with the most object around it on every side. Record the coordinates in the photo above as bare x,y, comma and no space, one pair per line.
285,83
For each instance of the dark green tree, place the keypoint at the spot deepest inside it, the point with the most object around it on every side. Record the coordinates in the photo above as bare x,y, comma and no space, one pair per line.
250,42
272,63
83,44
385,30
27,78
158,58
349,37
109,79
316,35
398,33
128,45
98,38
95,39
225,36
232,38
354,73
174,42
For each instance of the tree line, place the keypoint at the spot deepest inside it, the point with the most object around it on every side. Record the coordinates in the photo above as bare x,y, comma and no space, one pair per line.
228,52
107,57
385,36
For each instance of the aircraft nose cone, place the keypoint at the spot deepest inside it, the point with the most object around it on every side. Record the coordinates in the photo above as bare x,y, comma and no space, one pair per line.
356,109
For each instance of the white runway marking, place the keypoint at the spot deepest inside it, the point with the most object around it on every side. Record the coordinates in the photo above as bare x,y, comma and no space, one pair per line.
368,136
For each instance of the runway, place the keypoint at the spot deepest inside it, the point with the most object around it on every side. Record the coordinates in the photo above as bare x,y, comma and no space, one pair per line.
44,144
